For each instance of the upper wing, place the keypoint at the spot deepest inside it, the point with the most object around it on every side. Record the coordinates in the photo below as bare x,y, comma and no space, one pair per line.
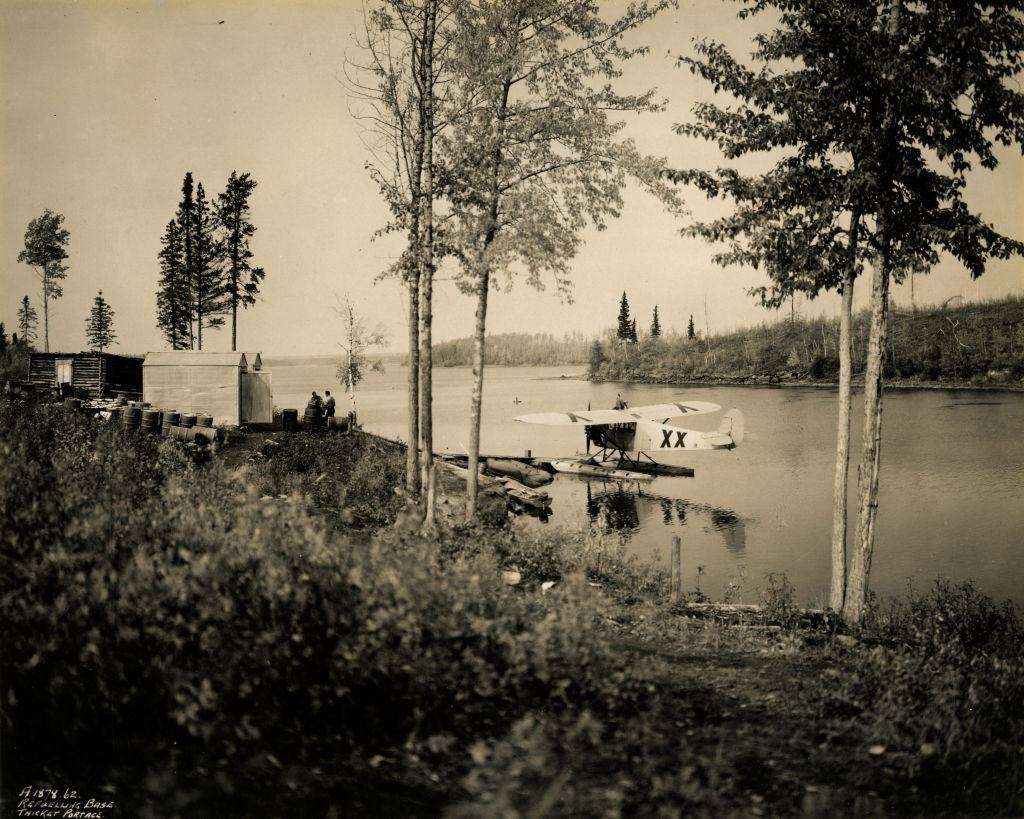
585,417
626,416
676,409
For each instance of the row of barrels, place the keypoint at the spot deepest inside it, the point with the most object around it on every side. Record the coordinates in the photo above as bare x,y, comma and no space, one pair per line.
159,421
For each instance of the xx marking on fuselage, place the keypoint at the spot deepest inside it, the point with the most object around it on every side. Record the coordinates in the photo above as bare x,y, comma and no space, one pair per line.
666,439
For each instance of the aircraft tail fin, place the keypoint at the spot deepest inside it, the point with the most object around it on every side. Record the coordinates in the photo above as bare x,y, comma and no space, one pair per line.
732,425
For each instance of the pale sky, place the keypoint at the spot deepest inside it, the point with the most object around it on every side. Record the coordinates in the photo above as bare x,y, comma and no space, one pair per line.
106,105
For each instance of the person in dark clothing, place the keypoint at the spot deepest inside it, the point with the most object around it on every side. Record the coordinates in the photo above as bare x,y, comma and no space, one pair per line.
619,403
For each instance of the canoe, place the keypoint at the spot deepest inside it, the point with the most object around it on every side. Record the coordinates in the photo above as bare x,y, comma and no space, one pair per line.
524,473
591,470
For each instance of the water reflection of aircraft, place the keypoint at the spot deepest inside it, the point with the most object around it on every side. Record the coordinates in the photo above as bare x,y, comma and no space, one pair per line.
624,510
641,439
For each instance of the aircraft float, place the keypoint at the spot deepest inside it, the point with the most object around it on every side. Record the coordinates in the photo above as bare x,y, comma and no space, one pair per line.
638,442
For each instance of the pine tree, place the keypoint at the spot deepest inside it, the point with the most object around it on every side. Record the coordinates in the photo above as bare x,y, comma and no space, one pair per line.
99,327
633,338
210,294
27,322
3,338
691,332
242,282
625,329
655,324
184,218
45,250
172,298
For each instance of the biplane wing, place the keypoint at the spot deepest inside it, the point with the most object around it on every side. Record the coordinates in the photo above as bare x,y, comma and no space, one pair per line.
626,416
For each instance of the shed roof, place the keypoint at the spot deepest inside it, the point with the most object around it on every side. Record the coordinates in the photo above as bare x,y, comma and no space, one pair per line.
194,358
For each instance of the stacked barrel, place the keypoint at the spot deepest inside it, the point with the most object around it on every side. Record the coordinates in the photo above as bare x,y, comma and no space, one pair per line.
290,419
170,420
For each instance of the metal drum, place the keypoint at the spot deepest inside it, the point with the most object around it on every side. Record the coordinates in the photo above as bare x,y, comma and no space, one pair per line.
131,417
170,419
188,420
150,421
204,421
290,419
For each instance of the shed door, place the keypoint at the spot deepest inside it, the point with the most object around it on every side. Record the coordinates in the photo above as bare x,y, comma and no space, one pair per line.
64,370
257,398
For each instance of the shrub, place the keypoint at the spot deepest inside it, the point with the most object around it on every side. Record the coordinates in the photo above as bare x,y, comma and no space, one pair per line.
945,688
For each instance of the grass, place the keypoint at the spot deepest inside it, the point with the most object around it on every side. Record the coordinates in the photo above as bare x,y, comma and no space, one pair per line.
185,641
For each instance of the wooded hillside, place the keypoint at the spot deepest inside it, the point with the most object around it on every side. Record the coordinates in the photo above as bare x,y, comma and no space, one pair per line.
978,343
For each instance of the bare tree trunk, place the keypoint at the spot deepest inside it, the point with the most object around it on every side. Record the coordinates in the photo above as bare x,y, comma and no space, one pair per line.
427,265
867,473
871,443
412,453
472,479
483,284
46,317
837,596
234,323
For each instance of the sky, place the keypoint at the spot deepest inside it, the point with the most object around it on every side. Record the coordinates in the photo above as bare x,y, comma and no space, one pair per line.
106,105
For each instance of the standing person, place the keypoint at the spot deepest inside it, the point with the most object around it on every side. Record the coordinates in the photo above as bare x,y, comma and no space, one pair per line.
328,407
619,403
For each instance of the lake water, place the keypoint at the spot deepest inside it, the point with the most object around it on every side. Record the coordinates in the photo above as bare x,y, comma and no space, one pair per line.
952,480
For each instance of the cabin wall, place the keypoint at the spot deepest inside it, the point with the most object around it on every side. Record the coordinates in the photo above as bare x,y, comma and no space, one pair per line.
42,369
210,389
86,373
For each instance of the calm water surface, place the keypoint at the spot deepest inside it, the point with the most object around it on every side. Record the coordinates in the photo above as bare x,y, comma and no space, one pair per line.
952,482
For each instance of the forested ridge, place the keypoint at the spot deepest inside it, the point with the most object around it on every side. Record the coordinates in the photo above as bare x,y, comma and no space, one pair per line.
516,350
979,343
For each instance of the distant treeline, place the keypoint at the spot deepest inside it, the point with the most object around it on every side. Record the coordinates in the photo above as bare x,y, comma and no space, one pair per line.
980,343
516,350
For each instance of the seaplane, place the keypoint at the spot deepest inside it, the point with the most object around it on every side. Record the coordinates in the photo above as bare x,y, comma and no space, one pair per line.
638,443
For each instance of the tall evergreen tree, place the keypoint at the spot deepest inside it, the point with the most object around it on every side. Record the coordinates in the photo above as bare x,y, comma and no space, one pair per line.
28,321
173,303
3,338
633,337
99,327
655,324
46,243
185,218
691,331
210,294
242,280
625,328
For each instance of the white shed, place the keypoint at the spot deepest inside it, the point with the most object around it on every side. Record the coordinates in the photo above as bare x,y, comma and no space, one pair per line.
200,382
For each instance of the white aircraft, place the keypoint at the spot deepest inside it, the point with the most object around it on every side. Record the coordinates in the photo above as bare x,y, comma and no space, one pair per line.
640,439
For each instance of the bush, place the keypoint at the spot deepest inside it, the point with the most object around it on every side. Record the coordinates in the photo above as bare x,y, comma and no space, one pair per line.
945,690
235,638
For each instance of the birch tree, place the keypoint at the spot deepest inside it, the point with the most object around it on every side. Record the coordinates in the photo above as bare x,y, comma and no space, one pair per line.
880,110
537,155
397,80
358,340
46,243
